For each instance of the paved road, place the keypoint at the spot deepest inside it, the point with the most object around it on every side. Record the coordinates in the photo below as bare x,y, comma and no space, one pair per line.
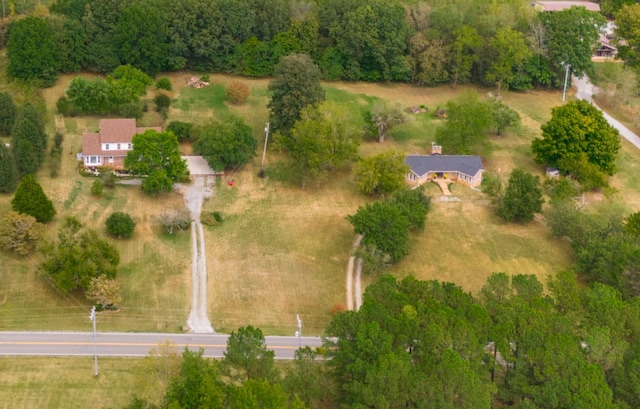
585,90
131,344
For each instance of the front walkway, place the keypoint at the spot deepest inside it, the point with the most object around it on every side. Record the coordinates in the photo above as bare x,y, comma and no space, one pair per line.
444,186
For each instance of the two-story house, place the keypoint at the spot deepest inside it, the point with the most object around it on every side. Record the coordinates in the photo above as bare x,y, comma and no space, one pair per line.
109,146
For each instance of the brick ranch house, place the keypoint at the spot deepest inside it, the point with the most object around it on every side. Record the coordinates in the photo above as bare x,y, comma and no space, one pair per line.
463,169
109,146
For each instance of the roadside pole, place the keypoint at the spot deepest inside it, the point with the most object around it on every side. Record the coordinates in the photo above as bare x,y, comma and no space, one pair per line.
92,317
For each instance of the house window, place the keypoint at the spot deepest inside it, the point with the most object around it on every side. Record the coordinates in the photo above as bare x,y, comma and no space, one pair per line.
118,146
92,159
106,146
129,147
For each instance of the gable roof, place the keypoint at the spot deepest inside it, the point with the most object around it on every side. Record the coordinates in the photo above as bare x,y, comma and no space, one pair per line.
423,164
120,130
562,5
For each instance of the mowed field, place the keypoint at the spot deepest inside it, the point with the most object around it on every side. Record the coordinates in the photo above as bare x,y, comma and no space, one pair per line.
282,250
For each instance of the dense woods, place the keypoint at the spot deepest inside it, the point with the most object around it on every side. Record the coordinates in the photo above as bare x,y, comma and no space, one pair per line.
505,43
429,344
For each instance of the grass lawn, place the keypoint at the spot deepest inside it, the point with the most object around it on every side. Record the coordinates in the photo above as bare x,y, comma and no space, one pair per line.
282,250
65,382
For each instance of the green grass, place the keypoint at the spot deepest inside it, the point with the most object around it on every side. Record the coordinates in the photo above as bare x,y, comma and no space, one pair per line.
55,382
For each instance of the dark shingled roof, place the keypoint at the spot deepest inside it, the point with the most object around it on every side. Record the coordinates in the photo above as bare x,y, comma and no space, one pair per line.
423,164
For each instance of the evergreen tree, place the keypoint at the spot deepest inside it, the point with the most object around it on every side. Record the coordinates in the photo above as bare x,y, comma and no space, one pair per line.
29,140
522,198
30,199
7,113
296,84
8,170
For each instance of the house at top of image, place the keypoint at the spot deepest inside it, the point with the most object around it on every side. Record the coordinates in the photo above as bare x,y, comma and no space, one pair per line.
556,5
109,146
463,169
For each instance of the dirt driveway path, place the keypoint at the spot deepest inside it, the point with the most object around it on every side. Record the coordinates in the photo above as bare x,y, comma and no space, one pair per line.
354,278
194,196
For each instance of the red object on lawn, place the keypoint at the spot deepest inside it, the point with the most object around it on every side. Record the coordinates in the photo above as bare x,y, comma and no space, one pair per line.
231,182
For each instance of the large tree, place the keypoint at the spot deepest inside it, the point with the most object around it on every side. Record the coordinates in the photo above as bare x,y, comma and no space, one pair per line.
383,117
78,256
385,229
28,139
247,356
509,51
522,198
325,139
579,140
32,51
465,130
155,155
571,38
226,144
295,85
381,174
628,34
30,199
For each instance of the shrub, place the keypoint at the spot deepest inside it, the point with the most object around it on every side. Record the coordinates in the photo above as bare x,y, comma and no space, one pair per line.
204,78
109,180
120,225
20,233
130,110
63,105
183,130
164,83
174,221
238,92
96,187
58,139
30,199
162,101
211,218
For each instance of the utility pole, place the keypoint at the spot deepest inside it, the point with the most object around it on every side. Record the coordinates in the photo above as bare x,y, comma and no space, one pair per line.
266,138
92,317
299,331
566,79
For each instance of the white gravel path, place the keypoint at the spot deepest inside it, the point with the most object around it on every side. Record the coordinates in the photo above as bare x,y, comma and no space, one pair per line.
350,278
194,196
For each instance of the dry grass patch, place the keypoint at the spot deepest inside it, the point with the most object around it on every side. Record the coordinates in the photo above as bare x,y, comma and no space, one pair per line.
54,382
280,251
464,243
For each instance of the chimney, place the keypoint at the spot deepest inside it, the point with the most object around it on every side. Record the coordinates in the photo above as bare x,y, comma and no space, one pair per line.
436,149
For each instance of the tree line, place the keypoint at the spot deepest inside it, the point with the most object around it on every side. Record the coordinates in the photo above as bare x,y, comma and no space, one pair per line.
427,344
505,44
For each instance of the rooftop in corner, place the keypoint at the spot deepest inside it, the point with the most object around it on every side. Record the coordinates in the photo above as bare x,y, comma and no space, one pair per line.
551,5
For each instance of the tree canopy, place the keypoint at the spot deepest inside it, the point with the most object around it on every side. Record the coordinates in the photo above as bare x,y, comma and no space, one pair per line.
78,256
30,199
8,113
226,144
572,37
522,197
466,126
578,140
296,84
381,174
32,51
325,139
155,155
